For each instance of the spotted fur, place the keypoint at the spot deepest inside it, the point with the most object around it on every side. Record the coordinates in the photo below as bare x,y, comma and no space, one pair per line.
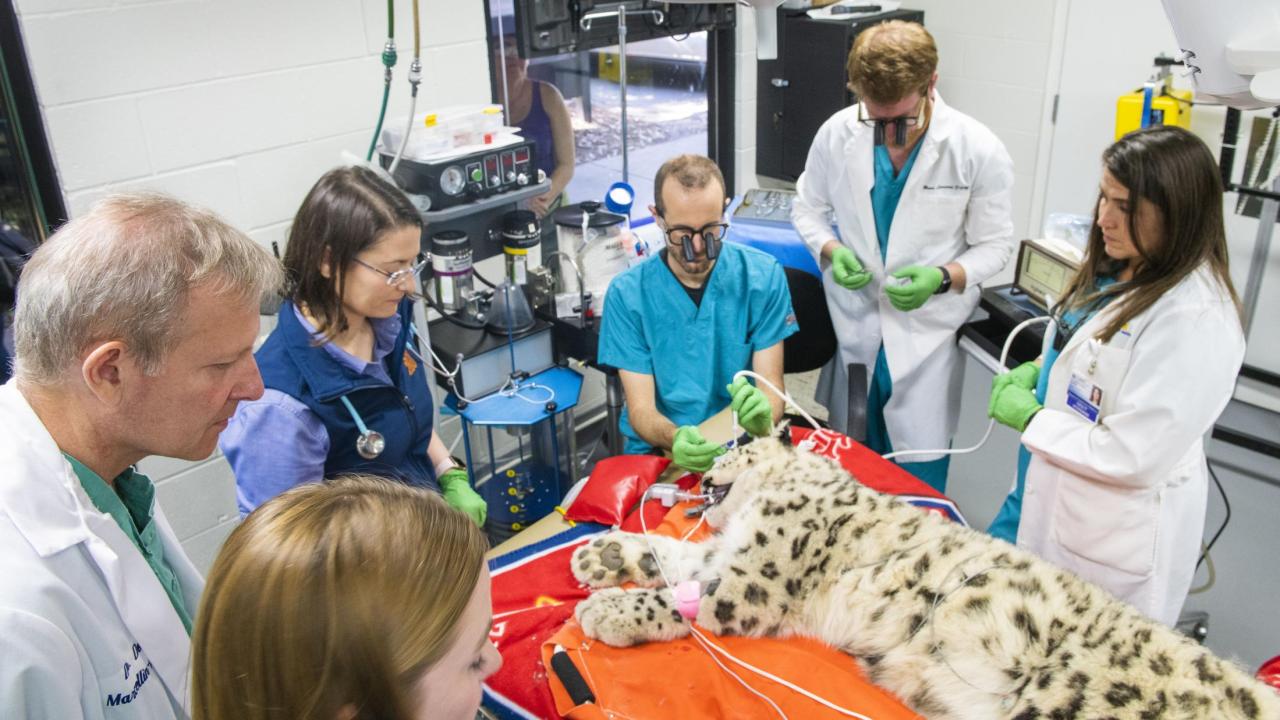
958,625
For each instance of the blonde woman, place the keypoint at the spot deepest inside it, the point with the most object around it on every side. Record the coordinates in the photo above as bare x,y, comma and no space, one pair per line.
352,599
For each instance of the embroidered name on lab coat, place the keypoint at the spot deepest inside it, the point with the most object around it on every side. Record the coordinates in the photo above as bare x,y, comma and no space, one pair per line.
140,677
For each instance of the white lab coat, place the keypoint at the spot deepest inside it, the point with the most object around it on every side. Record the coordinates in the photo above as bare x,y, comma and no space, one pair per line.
956,206
1121,502
83,620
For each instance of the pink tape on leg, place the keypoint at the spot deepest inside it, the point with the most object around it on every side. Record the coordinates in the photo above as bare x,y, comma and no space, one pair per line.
688,595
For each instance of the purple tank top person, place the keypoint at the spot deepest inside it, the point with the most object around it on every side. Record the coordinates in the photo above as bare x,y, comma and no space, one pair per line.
536,126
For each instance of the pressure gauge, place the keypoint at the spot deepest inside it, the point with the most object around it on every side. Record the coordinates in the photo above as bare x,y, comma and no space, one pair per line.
452,180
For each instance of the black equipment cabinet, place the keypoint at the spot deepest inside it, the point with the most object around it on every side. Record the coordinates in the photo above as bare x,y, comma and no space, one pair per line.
807,84
553,27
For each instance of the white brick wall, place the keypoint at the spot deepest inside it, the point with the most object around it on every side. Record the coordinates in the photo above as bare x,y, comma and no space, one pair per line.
199,499
993,57
236,105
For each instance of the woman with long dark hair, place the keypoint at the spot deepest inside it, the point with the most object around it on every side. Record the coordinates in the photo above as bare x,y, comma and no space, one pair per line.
1116,485
346,384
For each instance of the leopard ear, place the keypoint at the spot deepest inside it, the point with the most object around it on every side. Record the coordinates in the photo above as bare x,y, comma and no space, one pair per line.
782,431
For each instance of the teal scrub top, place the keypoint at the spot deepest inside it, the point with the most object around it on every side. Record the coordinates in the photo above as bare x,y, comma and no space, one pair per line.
885,194
652,327
132,505
887,191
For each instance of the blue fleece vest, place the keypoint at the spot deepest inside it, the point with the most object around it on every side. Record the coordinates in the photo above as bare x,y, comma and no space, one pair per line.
402,412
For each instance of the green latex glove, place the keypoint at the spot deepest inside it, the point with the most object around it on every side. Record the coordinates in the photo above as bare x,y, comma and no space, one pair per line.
924,281
692,452
1024,376
1014,406
459,495
755,413
847,271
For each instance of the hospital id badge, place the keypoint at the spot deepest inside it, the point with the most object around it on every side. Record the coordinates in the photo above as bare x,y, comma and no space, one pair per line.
1084,398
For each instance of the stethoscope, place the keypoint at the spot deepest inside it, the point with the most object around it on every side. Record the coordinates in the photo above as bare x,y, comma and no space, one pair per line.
370,443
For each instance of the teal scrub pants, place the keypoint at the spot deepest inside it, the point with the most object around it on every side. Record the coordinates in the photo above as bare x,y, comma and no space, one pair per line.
933,472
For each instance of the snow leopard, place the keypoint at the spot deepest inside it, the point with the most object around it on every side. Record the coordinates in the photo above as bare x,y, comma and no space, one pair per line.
957,624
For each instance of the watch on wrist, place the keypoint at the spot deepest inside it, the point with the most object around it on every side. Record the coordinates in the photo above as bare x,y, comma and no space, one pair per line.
447,464
946,281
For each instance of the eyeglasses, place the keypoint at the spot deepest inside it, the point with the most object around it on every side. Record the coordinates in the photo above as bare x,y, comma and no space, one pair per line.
679,235
906,120
394,278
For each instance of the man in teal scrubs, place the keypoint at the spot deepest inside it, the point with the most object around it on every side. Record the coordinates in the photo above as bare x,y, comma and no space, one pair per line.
679,325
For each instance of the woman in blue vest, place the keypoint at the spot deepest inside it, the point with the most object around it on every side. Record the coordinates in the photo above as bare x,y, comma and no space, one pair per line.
346,387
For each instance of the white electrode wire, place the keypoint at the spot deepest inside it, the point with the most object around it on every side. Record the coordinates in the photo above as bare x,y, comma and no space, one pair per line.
709,647
737,429
702,516
787,684
644,530
1004,354
712,648
794,405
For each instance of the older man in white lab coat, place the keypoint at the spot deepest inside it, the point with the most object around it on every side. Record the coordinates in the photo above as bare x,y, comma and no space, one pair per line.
134,336
922,198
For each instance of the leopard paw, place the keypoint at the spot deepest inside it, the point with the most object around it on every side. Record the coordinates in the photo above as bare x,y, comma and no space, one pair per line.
614,559
622,618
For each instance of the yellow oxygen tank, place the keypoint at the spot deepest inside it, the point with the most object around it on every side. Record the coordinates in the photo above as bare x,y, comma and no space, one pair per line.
1168,107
